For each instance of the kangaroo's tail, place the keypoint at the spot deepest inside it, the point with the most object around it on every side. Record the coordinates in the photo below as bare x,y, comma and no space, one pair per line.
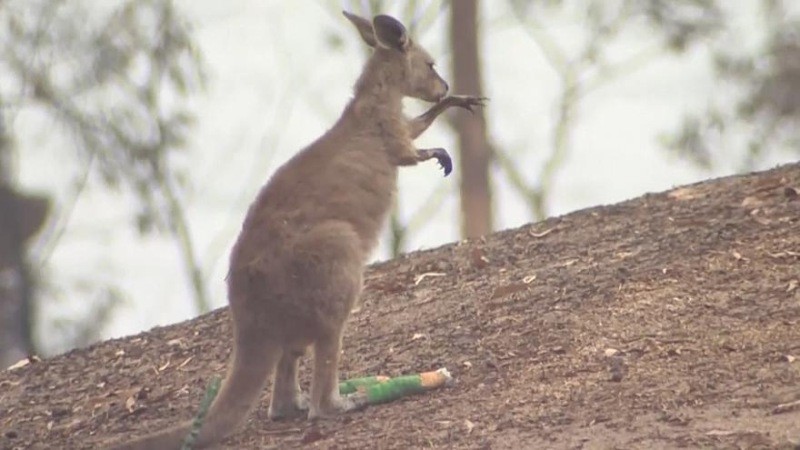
251,364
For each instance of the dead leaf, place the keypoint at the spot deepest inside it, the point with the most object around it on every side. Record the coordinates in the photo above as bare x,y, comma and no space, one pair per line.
684,194
417,336
783,254
738,256
19,364
130,404
542,234
786,407
185,362
469,425
792,286
751,201
421,277
162,368
529,279
721,433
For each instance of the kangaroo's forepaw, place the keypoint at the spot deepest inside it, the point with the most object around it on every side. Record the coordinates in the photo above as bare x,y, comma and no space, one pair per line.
468,102
443,158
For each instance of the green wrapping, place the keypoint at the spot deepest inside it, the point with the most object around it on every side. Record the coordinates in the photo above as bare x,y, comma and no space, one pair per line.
381,389
393,389
350,386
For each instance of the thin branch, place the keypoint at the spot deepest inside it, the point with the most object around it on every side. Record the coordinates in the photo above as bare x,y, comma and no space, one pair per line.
180,230
399,232
560,146
53,237
515,177
613,72
428,210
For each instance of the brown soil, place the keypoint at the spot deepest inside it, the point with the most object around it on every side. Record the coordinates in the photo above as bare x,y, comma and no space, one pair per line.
668,321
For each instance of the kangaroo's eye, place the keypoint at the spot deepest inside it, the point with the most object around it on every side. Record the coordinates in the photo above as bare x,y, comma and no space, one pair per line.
431,65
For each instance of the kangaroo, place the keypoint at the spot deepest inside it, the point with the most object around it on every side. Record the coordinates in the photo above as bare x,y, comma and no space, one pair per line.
296,269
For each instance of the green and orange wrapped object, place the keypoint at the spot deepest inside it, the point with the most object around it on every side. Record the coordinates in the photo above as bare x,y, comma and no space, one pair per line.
378,389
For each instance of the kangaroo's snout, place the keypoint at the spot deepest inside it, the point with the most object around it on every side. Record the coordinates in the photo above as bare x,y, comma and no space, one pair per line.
446,90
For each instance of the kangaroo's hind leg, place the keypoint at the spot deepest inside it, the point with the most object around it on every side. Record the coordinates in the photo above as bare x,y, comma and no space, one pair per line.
329,264
326,401
288,400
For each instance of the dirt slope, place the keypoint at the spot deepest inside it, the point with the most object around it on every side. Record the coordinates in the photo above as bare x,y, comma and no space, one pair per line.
672,320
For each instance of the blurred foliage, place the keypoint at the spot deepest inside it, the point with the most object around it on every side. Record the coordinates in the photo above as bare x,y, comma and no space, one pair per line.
114,78
680,22
117,85
582,69
757,110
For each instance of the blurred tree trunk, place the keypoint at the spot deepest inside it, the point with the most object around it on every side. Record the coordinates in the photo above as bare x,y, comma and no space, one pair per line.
474,151
21,216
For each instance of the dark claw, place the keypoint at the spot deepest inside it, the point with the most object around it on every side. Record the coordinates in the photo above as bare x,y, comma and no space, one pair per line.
469,103
443,158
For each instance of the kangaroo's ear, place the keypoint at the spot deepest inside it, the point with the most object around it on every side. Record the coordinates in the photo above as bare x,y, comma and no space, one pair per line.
364,28
390,33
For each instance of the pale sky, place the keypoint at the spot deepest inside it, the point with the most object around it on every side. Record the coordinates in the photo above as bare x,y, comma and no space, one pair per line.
275,85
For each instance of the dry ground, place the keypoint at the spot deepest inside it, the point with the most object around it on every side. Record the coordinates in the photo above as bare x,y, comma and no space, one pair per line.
668,321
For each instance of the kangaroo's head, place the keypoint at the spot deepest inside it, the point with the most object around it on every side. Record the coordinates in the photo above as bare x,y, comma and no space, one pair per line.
410,67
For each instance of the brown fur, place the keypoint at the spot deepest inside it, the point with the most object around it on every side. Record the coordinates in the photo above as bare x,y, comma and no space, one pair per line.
296,269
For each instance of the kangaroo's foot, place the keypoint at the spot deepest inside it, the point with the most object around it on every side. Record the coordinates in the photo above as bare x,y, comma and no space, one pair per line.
337,405
296,407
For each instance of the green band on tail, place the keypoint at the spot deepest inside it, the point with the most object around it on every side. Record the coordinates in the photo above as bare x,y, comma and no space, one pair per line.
211,392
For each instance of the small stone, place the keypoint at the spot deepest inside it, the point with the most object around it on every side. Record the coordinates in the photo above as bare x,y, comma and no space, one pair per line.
617,368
